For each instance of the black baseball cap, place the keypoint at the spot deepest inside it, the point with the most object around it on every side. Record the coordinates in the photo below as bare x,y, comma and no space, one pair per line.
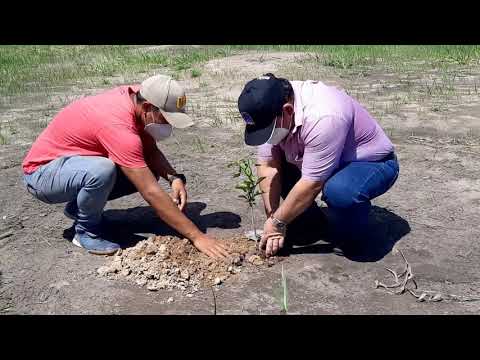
260,102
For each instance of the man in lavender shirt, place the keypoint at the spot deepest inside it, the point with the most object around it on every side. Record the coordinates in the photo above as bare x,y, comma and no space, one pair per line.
314,138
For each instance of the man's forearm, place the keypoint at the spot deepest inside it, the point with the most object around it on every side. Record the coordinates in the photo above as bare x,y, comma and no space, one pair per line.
160,201
168,212
271,187
298,200
161,165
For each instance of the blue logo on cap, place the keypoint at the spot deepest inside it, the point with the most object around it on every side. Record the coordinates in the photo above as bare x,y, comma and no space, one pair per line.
248,119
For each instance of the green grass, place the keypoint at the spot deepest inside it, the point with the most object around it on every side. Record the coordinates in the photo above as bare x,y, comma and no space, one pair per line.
195,73
33,68
283,294
348,56
199,144
432,75
3,136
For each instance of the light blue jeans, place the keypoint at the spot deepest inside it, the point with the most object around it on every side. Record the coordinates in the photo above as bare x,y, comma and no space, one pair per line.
90,181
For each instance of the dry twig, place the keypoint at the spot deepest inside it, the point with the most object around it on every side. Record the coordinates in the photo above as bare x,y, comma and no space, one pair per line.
214,301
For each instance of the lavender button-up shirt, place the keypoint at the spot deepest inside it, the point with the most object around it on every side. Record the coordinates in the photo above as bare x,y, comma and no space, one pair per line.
331,128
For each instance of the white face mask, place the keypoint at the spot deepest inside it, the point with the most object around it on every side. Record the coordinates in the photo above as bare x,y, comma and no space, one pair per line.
159,131
278,134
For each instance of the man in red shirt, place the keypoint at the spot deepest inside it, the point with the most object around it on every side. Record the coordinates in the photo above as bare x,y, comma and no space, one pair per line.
103,147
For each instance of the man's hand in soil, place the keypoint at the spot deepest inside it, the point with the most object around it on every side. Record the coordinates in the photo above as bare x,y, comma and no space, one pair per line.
211,247
179,193
272,240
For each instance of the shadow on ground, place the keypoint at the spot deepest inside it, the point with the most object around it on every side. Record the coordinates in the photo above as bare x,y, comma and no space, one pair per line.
385,229
129,226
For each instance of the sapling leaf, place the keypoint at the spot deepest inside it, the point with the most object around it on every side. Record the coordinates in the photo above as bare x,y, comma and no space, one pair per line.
249,184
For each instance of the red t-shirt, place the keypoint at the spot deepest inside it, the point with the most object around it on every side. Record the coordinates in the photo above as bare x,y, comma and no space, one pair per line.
101,125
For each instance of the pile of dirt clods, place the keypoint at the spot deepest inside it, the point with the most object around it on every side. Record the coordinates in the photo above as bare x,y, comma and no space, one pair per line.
167,262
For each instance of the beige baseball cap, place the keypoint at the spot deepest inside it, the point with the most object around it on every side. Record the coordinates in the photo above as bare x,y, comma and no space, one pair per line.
167,94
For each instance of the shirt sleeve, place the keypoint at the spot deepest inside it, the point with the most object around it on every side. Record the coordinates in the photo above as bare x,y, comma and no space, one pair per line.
267,152
324,141
122,145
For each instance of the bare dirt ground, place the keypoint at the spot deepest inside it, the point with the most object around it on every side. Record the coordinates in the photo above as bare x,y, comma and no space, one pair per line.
432,214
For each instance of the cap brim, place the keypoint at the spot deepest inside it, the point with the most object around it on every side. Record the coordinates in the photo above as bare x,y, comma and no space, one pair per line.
178,120
256,137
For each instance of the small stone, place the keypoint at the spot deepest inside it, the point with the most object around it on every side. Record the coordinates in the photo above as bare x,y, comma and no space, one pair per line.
149,275
185,275
116,266
217,281
230,270
170,300
125,272
237,261
4,217
152,287
189,295
422,297
141,282
105,270
255,260
163,252
151,249
60,284
119,252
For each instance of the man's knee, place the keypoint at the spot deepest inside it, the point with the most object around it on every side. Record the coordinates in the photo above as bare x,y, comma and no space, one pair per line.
342,196
103,172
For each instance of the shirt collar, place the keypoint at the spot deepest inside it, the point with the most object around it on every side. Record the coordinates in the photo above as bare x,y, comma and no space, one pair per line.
297,104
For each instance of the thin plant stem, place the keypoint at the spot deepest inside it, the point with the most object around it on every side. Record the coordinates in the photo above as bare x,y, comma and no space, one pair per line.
253,224
285,295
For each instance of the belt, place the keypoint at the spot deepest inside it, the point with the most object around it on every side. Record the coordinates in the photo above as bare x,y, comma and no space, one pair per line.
390,156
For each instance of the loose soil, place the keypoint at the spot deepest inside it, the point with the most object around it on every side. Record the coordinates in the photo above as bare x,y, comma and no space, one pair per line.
167,262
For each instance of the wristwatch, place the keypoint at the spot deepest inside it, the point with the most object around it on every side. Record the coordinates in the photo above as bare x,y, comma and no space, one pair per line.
177,176
282,226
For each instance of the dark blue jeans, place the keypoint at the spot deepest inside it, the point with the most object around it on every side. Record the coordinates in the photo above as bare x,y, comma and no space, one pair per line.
349,191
